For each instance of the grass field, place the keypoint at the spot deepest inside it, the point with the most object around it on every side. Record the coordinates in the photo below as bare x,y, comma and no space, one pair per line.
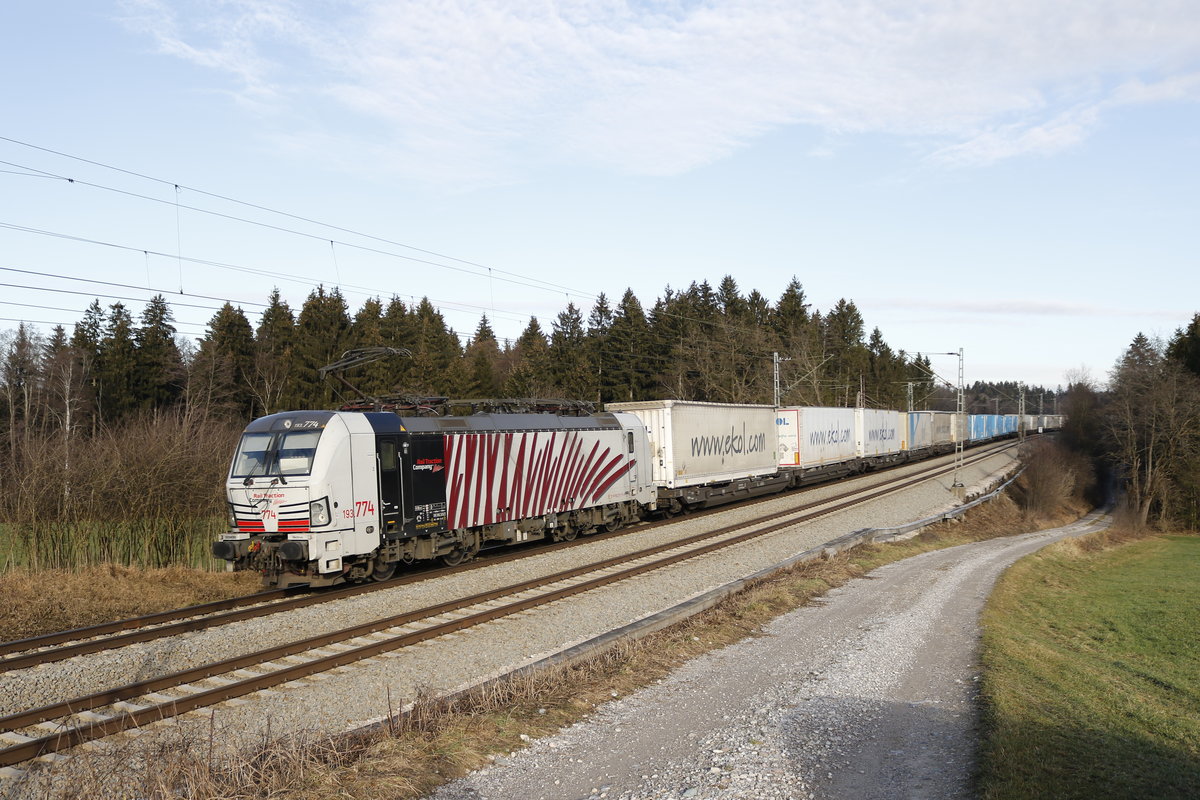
1092,673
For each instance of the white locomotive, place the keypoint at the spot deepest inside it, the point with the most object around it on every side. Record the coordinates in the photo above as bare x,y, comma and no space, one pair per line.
323,497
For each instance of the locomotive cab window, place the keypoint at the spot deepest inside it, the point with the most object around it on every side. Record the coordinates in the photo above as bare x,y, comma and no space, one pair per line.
275,454
296,452
387,456
251,458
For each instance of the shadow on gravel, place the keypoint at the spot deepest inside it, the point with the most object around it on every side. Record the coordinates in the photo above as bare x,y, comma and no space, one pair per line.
853,747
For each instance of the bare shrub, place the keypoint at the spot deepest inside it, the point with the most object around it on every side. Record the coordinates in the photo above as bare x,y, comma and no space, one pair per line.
146,493
1054,477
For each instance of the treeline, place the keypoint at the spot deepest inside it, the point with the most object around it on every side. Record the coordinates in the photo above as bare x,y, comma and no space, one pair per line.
115,434
1146,425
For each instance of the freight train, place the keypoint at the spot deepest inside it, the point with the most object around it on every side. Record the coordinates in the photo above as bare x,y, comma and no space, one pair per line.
328,497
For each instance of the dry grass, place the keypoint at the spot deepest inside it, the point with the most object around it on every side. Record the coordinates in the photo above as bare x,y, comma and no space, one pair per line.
44,601
443,739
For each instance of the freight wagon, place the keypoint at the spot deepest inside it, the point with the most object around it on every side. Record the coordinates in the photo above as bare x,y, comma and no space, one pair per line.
816,441
880,436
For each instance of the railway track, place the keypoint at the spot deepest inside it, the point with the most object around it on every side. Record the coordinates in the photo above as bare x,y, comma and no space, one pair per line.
48,729
48,648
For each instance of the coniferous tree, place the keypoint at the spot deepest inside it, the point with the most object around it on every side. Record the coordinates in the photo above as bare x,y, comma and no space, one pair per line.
322,335
374,377
86,341
600,322
1185,346
273,371
801,348
220,377
436,353
886,372
117,366
482,355
397,329
159,375
847,351
628,378
666,342
570,357
531,372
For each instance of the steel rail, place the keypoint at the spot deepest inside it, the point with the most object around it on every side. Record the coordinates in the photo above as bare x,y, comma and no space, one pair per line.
190,619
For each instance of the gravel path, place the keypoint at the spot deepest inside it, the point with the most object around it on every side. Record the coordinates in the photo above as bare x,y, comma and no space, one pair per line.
868,694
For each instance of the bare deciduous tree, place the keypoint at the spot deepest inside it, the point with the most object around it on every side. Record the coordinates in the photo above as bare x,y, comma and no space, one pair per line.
1153,424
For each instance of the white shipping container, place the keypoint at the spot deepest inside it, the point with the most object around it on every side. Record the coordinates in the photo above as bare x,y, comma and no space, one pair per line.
814,437
942,424
961,428
699,443
920,430
878,432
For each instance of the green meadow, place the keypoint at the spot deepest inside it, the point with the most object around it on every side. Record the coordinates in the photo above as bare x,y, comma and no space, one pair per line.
1091,681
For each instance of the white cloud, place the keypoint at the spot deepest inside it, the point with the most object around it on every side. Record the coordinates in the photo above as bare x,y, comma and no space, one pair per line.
474,89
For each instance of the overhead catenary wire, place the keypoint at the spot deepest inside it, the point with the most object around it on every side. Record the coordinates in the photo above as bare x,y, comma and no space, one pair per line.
362,291
289,215
177,187
490,271
311,282
538,284
108,296
65,325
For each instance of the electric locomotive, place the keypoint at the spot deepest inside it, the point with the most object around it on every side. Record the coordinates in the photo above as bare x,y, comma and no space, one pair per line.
326,497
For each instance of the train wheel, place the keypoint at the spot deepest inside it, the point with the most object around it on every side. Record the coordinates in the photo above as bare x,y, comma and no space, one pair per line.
383,570
456,556
611,525
567,533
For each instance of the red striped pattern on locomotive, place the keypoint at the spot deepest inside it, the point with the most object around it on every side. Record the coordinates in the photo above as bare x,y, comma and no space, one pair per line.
498,477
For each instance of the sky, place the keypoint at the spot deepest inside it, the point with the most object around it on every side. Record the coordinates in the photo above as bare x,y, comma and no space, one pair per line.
1020,180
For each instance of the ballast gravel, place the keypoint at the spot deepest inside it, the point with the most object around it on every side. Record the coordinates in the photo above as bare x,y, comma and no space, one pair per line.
351,696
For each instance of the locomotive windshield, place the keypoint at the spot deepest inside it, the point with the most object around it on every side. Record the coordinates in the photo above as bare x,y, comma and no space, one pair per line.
283,453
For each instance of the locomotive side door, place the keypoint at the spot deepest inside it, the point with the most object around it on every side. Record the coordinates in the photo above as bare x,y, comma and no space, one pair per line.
391,492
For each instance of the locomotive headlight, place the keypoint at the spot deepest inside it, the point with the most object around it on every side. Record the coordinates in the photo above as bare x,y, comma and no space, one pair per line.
232,516
318,512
